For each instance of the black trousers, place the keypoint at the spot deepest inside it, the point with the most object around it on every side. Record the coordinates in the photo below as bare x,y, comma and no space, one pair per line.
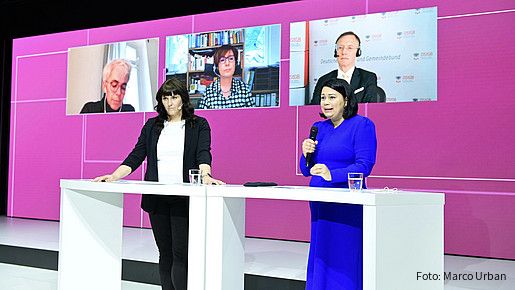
170,228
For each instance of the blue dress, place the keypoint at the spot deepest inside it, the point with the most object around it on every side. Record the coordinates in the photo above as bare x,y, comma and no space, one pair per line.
336,247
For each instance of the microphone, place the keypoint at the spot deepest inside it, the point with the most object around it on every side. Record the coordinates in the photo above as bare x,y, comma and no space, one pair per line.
313,136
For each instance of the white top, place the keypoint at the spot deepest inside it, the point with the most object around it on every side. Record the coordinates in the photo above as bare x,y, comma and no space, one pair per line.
170,151
347,75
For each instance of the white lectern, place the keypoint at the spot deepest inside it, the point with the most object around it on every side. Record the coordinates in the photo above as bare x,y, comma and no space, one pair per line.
402,233
90,238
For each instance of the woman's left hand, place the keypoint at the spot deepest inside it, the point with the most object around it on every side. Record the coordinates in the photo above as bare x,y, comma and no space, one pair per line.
210,180
322,171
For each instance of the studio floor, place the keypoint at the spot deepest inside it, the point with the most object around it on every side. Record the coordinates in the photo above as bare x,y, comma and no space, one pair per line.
264,258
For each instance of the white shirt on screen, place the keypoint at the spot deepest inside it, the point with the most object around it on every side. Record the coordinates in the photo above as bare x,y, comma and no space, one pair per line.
170,151
347,75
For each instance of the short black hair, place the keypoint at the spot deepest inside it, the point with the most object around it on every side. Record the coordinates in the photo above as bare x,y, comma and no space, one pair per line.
343,87
348,33
170,87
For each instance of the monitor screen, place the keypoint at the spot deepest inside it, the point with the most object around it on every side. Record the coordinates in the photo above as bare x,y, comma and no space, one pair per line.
113,77
385,57
234,68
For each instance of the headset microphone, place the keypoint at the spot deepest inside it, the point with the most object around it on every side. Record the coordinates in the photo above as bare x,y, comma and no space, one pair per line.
313,136
358,52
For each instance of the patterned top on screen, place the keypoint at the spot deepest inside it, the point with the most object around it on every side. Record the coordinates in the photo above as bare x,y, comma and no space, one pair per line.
240,96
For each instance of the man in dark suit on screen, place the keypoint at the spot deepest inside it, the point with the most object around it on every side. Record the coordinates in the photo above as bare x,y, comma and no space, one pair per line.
362,82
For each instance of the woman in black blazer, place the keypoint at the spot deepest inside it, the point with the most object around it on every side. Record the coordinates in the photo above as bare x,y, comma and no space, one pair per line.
159,143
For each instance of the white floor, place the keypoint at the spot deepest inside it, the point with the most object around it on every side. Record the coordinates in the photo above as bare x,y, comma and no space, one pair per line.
263,257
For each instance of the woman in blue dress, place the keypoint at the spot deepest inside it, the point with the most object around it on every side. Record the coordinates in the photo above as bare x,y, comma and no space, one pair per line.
346,142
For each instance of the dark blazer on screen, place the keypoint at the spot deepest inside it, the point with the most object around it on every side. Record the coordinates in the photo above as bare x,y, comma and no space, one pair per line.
363,83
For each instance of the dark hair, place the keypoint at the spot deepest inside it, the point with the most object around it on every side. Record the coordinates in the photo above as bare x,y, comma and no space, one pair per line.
222,50
348,33
170,87
342,87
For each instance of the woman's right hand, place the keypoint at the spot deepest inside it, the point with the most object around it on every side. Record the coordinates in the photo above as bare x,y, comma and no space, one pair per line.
119,173
308,146
105,178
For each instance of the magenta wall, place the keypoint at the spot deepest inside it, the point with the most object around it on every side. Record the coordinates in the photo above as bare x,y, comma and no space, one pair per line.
461,145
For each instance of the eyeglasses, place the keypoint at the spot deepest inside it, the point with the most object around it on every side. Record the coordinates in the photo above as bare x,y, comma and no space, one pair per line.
115,85
347,47
227,59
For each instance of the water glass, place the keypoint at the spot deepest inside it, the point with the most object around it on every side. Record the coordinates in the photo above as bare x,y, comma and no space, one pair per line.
195,176
355,181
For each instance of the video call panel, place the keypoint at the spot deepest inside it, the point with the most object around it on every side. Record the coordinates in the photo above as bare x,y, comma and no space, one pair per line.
399,47
249,57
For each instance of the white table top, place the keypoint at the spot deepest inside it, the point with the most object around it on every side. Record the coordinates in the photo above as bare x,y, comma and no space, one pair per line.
134,186
340,195
372,197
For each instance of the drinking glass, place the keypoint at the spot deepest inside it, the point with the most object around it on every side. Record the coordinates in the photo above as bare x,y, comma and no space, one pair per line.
195,176
355,181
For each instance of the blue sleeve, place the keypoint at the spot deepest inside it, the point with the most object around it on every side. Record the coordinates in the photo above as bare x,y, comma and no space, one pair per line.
365,148
302,165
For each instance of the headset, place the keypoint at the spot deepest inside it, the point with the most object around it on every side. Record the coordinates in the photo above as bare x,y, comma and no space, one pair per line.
358,52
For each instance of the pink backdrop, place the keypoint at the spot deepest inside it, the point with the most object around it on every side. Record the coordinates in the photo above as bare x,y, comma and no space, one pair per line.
461,145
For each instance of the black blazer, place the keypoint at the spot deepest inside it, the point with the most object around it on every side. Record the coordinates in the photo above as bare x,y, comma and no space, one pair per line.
98,107
360,79
197,150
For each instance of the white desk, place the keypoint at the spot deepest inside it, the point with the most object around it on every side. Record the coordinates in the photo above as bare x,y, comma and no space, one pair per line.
402,234
90,239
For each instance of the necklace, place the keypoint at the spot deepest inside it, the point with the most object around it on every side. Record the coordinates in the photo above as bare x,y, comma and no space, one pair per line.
225,92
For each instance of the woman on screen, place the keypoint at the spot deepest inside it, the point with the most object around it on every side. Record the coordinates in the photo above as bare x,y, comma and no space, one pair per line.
173,142
346,142
226,91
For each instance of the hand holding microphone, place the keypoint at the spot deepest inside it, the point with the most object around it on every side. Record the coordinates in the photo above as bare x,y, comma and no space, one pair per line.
309,145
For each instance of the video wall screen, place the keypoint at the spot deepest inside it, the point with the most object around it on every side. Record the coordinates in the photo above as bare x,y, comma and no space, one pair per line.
234,68
114,77
385,57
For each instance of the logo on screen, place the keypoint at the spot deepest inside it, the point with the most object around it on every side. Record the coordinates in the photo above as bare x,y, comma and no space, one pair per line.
373,37
322,42
332,21
295,39
426,54
423,55
406,34
408,78
295,77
